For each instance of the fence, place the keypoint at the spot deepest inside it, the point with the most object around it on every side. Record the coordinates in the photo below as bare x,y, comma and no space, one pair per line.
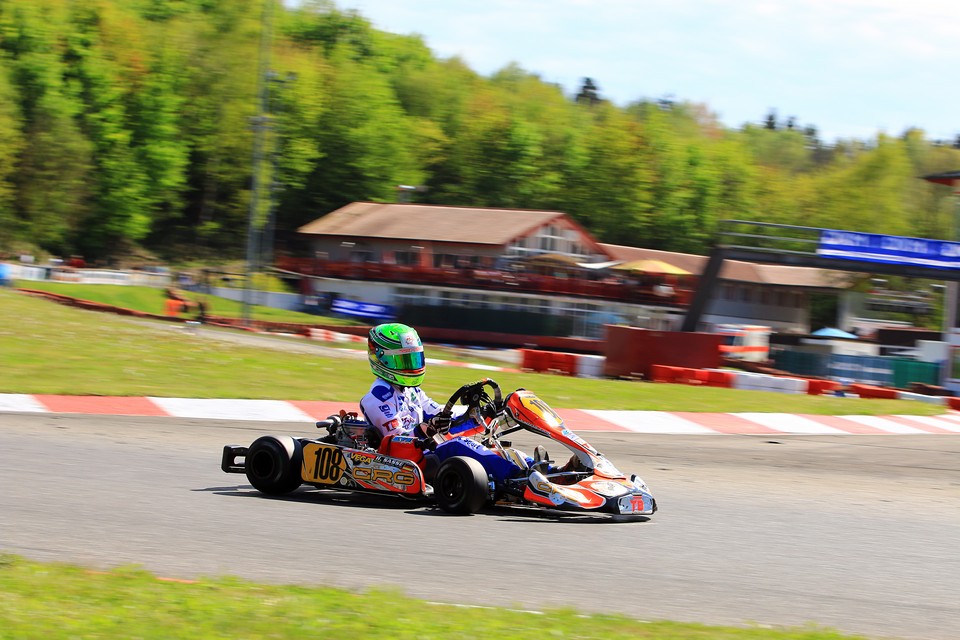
885,371
86,276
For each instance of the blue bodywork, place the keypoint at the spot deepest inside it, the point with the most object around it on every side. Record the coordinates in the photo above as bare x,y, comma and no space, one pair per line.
497,467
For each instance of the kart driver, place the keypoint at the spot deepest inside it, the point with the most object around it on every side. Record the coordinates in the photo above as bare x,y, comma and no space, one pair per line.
395,404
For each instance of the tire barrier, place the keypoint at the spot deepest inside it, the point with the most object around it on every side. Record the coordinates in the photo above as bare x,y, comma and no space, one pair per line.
869,391
785,384
327,335
567,364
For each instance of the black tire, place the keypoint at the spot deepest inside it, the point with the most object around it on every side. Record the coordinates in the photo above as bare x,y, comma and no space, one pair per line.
273,464
461,485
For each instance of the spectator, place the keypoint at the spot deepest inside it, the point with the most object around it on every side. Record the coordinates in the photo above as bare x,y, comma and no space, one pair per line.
663,290
201,307
175,303
185,281
173,307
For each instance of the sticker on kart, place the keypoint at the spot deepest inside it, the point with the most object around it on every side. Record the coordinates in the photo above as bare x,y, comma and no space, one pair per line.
322,464
635,504
328,464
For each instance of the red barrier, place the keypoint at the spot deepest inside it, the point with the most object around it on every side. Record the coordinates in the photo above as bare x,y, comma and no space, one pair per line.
631,352
954,403
869,391
533,360
549,361
663,373
820,387
720,379
565,363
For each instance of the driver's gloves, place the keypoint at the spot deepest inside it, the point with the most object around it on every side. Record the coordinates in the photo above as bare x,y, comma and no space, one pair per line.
439,423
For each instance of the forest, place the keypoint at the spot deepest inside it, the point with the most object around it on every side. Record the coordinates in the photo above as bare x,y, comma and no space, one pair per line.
129,125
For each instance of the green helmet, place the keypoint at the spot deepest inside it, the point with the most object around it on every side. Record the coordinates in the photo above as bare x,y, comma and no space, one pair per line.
396,354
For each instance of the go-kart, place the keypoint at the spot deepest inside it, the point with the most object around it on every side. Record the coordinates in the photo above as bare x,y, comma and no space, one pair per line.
463,464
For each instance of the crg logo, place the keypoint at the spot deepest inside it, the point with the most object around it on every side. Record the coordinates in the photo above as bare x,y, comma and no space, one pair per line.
397,478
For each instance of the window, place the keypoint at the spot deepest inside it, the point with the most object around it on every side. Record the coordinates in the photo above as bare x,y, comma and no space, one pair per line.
361,255
407,258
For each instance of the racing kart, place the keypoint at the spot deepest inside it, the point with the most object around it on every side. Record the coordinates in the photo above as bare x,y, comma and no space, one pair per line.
464,464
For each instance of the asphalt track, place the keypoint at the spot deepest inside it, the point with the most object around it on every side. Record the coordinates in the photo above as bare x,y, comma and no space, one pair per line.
858,533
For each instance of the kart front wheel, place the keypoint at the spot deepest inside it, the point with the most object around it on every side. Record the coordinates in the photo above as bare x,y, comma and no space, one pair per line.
460,486
273,464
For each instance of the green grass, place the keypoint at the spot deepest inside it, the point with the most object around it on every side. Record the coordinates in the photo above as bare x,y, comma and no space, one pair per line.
54,601
151,299
49,348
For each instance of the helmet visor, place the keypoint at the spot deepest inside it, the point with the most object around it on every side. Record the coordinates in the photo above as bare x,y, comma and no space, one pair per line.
408,359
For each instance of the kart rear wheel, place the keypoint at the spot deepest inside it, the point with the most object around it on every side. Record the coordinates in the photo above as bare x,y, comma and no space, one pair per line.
273,464
460,486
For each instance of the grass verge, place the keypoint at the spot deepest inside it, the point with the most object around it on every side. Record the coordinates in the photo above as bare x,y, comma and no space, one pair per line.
55,601
52,349
151,300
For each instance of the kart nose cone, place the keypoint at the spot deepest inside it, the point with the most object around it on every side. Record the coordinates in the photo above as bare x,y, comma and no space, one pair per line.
639,504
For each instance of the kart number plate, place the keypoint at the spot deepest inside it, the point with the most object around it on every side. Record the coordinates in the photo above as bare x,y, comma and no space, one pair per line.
633,504
322,464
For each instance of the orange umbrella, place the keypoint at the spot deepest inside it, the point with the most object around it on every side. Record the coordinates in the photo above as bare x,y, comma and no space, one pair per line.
652,266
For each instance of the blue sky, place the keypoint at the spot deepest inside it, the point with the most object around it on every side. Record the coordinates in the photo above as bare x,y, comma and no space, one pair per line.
852,68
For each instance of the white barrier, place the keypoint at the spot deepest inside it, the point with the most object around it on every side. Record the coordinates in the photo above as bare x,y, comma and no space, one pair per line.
794,385
590,366
86,276
95,276
745,380
763,382
26,271
906,395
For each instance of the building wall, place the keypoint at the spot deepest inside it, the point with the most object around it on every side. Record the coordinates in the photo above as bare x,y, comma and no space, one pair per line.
781,308
590,315
560,236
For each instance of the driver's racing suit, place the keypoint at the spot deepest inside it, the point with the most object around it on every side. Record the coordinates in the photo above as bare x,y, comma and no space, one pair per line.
397,410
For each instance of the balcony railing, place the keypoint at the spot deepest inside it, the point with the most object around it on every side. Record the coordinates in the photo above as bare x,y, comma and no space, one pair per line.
613,288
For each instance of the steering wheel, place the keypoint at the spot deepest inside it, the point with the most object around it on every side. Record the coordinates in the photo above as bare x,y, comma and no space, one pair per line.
475,398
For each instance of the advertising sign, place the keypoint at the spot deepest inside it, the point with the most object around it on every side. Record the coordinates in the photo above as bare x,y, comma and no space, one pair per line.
362,309
872,247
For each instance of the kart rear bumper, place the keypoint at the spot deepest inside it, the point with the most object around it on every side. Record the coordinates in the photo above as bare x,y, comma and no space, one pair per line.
228,461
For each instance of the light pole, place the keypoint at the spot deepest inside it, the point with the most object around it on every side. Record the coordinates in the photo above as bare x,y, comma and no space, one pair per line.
275,108
951,179
259,124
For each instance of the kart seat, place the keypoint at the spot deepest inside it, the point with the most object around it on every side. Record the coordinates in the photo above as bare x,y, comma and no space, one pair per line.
516,457
400,447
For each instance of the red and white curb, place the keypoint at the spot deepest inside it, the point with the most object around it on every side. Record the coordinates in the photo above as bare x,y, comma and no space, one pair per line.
654,422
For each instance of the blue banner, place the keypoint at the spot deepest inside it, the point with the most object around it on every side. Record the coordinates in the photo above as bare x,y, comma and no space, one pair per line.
872,247
362,309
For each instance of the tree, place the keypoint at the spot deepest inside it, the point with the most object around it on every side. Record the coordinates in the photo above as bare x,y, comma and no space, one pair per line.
11,144
54,161
374,139
770,122
588,94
